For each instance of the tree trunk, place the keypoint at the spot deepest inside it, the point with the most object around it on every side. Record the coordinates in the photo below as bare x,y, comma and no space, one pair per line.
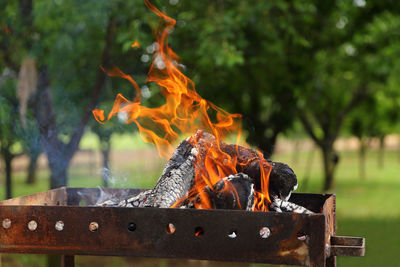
105,151
31,178
261,141
59,153
58,177
307,172
362,156
381,153
330,159
296,152
104,135
7,161
58,170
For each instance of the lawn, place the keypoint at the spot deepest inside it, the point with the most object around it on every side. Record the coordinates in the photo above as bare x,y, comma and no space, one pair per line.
368,208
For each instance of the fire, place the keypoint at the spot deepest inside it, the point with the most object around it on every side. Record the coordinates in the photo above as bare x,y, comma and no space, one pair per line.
183,113
135,44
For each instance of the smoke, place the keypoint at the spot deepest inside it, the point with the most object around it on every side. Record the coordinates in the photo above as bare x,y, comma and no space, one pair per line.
103,196
114,179
94,199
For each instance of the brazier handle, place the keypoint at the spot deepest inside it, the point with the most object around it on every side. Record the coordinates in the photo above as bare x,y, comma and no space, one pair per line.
347,246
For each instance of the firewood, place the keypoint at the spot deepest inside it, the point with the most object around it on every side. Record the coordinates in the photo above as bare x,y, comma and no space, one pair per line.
280,205
282,179
176,180
232,192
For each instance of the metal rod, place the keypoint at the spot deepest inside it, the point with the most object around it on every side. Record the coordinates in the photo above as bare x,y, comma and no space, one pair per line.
67,261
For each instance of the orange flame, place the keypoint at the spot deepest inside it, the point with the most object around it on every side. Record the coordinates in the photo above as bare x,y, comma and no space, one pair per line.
135,44
184,112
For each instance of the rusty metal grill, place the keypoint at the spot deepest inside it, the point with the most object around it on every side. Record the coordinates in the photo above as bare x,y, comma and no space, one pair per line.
64,221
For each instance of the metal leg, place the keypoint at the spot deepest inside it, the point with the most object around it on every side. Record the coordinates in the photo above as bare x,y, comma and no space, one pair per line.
331,261
67,260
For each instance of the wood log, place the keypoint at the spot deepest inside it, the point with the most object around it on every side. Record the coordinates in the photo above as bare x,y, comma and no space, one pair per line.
280,205
233,192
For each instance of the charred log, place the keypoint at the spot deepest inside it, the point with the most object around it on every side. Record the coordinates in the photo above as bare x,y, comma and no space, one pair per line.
280,205
176,180
233,192
282,179
174,187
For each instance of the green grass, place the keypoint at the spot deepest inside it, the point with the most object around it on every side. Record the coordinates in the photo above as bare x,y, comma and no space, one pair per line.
369,208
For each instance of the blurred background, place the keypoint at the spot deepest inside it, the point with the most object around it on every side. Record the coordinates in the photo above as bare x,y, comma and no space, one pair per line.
317,82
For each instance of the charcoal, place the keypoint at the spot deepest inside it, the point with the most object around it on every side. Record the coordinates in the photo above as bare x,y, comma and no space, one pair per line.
232,192
282,179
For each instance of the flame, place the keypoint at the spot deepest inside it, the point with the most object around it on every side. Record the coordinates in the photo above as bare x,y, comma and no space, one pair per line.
135,44
184,112
6,29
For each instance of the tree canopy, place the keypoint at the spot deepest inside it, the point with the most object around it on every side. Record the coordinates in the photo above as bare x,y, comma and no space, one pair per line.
324,63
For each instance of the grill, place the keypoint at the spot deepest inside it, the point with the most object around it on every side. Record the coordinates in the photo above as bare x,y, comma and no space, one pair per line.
64,221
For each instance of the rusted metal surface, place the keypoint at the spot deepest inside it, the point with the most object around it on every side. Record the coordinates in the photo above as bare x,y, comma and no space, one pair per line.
347,246
54,197
67,224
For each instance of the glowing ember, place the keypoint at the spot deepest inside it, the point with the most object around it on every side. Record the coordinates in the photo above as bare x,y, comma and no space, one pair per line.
135,44
184,112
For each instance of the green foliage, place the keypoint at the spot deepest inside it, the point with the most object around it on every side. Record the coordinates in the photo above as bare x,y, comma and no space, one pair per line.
10,124
269,57
380,43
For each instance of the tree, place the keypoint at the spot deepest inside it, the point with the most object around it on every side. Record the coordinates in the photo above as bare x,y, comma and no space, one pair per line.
339,72
9,130
35,33
30,139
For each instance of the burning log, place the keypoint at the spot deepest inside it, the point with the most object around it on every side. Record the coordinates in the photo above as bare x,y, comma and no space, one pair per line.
180,187
233,192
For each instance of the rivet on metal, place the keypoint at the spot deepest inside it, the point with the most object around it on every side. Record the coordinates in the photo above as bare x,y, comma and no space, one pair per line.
59,225
32,225
93,226
265,232
302,237
6,223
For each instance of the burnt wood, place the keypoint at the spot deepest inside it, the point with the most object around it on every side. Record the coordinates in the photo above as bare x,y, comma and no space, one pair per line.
235,192
175,185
